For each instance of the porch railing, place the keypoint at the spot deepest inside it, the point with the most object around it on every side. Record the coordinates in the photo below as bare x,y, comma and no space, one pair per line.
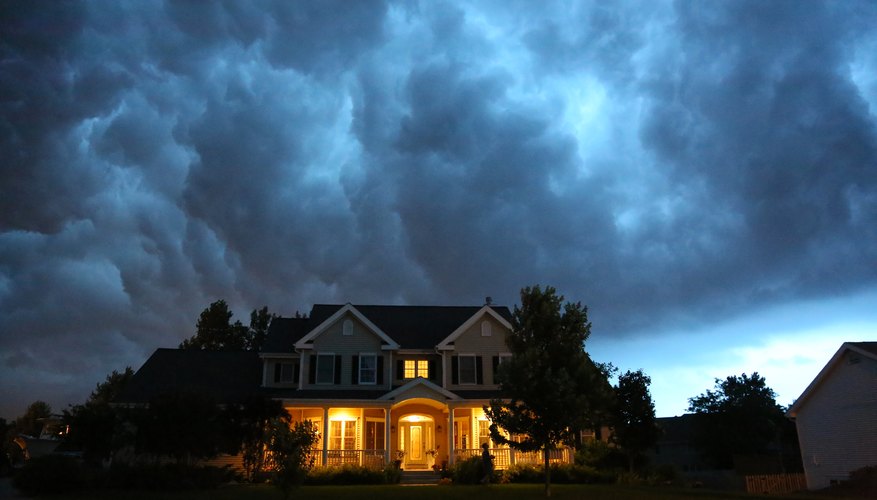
505,457
367,458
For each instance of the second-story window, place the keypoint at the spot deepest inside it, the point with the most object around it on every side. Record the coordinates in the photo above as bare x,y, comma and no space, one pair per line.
416,368
368,368
467,370
325,368
285,373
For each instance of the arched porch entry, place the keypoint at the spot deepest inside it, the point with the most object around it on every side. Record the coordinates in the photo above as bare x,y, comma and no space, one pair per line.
417,441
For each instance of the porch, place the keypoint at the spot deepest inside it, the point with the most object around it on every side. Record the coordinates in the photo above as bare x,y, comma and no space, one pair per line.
418,433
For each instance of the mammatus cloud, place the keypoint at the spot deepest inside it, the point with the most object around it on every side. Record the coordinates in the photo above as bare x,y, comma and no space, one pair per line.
664,163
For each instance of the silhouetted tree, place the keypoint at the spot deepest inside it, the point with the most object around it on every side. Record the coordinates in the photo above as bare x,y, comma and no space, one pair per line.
290,447
31,423
183,425
93,425
216,332
552,386
633,423
252,423
739,417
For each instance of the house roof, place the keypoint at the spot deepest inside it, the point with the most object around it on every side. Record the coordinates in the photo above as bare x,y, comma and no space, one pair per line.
867,349
225,376
412,327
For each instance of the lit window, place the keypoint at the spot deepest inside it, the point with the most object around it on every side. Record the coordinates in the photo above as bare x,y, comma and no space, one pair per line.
342,434
368,368
416,368
467,369
483,433
325,368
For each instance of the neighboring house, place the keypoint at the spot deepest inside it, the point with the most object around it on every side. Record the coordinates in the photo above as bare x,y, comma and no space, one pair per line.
381,383
836,416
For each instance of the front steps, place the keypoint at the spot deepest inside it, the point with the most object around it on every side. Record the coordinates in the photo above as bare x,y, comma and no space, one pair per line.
415,477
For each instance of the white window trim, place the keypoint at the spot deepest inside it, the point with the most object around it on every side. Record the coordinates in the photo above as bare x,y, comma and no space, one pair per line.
460,369
347,328
317,375
486,328
359,376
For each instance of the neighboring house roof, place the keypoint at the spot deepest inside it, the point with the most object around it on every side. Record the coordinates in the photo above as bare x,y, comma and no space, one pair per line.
412,327
866,349
225,376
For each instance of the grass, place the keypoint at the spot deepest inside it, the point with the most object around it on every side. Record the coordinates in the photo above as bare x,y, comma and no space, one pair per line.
493,492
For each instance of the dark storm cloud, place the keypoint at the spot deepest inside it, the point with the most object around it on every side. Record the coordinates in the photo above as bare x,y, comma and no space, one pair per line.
660,162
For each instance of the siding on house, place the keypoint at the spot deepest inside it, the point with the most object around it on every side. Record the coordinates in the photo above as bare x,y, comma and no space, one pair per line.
362,340
837,424
486,348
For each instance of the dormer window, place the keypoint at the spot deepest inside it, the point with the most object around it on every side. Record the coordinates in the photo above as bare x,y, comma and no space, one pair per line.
347,328
486,329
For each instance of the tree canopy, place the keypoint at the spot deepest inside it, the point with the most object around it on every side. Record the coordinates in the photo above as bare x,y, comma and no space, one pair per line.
551,388
93,424
633,423
216,332
739,417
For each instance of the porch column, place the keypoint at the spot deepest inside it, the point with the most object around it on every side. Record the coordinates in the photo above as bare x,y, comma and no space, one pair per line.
473,428
360,438
325,436
450,435
387,438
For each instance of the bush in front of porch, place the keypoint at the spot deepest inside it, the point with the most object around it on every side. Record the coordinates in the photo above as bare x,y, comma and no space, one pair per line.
351,474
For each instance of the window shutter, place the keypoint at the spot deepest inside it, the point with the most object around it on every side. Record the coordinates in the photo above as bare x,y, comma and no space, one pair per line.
380,375
312,369
400,369
276,372
455,370
479,371
354,370
495,367
433,373
337,369
296,367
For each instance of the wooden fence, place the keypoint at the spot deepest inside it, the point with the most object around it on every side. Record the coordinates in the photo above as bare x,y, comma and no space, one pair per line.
775,483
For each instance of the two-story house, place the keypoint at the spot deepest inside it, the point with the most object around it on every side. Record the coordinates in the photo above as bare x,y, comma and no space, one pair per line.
390,382
381,383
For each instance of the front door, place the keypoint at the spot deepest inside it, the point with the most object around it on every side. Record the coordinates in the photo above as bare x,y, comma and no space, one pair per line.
415,445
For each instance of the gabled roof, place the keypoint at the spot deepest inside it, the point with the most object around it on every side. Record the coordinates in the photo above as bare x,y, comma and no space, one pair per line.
446,343
411,327
225,376
867,349
388,342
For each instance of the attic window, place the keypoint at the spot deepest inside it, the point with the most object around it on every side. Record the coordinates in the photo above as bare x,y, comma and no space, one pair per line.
347,328
854,360
486,329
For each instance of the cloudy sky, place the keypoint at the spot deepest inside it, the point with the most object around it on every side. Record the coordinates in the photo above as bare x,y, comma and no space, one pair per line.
703,175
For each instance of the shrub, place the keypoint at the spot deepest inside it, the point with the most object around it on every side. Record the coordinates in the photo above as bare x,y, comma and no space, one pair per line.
601,456
51,474
470,471
560,474
344,475
392,474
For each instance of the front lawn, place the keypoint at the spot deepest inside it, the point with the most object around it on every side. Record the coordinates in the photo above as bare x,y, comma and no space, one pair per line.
492,492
